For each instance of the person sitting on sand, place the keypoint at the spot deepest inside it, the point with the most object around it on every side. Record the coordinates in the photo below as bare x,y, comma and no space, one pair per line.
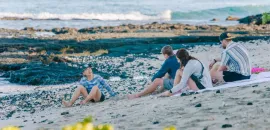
170,66
91,87
234,63
192,76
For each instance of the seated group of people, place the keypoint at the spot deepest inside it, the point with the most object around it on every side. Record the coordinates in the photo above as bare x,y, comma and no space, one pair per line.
180,72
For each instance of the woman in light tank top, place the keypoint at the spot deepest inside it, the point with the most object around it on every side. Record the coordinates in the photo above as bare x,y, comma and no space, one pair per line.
193,76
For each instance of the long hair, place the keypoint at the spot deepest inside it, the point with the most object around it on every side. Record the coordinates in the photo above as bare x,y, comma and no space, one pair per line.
184,57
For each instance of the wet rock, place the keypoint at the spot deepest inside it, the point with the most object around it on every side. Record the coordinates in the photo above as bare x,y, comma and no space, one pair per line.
218,91
231,18
198,105
226,126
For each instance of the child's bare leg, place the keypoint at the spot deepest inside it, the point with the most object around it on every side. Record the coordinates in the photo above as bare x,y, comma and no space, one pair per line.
79,90
95,95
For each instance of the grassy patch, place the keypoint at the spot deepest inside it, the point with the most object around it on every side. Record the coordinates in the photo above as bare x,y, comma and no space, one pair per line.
266,18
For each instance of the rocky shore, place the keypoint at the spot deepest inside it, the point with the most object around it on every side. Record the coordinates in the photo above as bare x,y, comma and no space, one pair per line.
123,31
238,108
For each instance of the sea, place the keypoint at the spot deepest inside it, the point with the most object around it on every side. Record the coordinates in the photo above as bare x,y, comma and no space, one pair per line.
47,14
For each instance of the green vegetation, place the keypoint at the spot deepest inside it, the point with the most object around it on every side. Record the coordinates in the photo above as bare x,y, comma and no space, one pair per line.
266,18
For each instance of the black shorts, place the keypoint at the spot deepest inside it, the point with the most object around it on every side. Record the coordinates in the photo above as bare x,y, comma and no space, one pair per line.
102,98
232,76
197,82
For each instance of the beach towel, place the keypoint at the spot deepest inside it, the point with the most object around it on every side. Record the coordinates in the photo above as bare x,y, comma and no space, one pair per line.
254,79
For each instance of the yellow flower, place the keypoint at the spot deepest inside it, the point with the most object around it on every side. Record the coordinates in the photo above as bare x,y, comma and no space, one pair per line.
78,126
68,127
170,128
88,126
10,128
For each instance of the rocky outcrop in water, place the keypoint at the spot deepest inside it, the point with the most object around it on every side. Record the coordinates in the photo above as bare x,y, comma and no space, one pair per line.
255,19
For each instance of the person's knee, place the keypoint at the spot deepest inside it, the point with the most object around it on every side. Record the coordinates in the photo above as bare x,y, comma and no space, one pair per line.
157,81
80,87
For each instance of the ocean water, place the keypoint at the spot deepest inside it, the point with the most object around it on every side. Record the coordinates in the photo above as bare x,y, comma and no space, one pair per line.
88,13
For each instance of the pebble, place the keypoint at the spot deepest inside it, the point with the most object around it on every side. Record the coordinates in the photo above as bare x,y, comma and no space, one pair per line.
65,113
198,105
156,122
226,126
249,103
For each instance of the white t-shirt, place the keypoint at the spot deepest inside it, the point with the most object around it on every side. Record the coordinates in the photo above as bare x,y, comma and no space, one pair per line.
193,67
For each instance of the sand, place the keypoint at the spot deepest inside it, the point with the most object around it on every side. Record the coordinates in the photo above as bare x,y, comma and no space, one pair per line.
242,107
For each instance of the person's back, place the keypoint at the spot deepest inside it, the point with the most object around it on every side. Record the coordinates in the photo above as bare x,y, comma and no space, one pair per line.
237,59
170,66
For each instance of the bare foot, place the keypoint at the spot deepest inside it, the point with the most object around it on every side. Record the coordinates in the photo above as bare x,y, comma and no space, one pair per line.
132,96
66,104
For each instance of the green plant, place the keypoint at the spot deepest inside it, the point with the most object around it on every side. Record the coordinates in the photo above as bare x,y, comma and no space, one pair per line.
266,18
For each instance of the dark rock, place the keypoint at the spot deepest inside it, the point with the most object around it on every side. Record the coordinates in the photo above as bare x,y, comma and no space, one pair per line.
44,121
198,105
25,121
10,114
249,103
156,122
36,74
183,94
253,19
255,86
32,111
226,126
130,59
51,122
218,91
215,19
29,29
65,113
205,128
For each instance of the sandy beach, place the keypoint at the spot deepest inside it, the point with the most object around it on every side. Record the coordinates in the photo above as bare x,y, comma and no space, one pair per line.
46,45
243,107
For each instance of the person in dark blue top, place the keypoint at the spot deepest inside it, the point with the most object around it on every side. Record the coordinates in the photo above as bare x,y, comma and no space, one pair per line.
165,76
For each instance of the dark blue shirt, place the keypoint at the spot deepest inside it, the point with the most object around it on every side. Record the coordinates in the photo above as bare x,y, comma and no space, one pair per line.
170,66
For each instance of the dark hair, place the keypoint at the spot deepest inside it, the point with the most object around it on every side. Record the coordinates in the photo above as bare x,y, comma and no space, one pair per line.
167,50
184,57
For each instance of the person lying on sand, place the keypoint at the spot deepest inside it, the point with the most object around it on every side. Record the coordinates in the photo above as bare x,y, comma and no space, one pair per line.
169,66
192,76
234,63
91,87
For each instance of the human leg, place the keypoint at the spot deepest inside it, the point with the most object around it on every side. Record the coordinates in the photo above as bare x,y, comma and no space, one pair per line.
151,88
79,90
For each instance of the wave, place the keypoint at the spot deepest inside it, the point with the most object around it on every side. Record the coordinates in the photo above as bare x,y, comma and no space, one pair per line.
166,15
239,11
221,13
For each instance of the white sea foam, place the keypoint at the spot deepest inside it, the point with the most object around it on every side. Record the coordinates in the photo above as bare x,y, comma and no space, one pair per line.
166,15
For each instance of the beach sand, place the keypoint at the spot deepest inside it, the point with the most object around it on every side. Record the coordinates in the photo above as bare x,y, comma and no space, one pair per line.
242,107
